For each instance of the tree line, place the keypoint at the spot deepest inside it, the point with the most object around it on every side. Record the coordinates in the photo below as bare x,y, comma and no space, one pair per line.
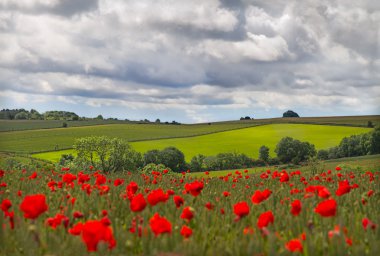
116,154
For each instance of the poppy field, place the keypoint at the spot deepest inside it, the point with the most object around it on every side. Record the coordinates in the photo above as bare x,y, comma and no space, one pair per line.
272,212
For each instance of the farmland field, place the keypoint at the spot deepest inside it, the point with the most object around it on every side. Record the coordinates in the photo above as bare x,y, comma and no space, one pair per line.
246,140
52,139
19,125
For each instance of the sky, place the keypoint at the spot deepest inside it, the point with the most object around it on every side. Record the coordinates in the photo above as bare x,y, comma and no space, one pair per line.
191,61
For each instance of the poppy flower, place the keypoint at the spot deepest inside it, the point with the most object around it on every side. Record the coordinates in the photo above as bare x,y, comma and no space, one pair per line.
296,207
326,208
118,182
33,176
260,196
157,196
78,215
265,219
294,245
187,213
33,206
132,187
178,201
368,224
241,209
160,225
76,230
209,206
344,188
194,188
68,178
93,232
186,232
5,205
100,179
137,203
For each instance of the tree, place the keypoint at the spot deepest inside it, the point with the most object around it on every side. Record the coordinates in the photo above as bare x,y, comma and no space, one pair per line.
99,117
197,163
152,156
264,153
370,124
108,154
172,158
291,150
323,154
375,141
158,121
21,116
290,113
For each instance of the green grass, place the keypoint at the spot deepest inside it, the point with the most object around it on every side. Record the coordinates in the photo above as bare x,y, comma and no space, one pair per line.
246,140
249,140
33,141
18,125
364,163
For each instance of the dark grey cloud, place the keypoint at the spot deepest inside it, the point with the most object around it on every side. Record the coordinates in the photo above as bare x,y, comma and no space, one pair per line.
241,54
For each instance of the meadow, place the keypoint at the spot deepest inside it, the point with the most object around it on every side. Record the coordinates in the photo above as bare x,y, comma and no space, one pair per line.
272,212
32,141
246,140
20,125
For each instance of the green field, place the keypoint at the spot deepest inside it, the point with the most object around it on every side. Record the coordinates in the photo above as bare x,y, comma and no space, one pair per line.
363,163
246,140
19,125
33,141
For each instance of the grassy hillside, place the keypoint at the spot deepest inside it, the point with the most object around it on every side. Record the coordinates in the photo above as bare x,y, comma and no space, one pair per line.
51,139
363,163
19,125
246,140
249,140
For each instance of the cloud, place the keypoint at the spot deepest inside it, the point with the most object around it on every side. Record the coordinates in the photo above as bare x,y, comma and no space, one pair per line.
190,59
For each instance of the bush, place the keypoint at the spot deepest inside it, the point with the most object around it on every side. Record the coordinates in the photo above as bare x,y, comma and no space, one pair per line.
323,154
107,154
290,113
264,153
197,163
149,168
294,151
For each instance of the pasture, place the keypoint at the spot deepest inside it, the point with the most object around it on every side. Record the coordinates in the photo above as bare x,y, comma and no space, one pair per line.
246,140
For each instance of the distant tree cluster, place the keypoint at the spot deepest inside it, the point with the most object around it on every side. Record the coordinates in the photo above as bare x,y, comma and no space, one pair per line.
246,118
355,145
290,113
23,114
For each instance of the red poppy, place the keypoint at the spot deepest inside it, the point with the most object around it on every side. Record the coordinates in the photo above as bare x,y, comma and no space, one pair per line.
186,232
156,196
132,187
241,209
33,176
194,188
5,205
160,225
294,245
296,207
209,206
76,230
265,219
368,224
178,201
187,213
344,188
326,208
33,206
68,178
118,182
93,232
260,196
100,179
78,215
137,203
226,193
